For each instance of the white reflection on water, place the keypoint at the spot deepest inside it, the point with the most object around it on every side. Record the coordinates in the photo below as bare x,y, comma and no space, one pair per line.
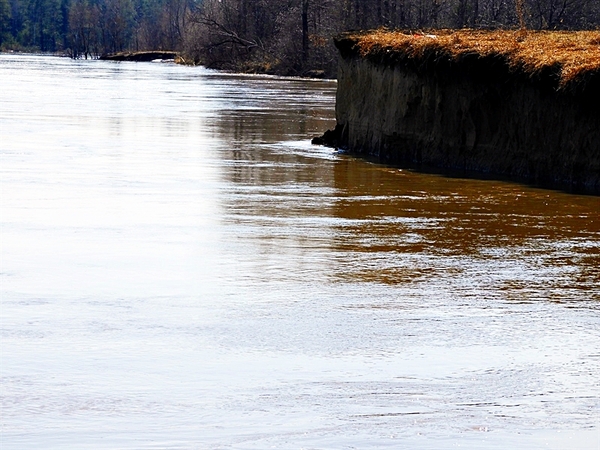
181,269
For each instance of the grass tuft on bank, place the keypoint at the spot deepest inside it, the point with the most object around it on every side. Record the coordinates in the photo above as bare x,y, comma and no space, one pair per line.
572,57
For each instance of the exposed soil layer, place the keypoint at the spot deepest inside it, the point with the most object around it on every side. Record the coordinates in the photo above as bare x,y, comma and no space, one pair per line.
446,101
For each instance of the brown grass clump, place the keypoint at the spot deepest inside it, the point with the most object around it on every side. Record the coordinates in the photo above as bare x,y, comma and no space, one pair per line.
570,54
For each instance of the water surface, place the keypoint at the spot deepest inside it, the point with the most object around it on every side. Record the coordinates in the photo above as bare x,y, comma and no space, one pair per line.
181,269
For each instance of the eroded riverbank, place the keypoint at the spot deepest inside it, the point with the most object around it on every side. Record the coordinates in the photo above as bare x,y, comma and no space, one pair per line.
474,106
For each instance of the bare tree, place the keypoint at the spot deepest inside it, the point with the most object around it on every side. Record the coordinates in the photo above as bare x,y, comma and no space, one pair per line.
83,20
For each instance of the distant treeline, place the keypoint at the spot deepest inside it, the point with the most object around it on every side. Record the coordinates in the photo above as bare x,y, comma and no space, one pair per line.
282,36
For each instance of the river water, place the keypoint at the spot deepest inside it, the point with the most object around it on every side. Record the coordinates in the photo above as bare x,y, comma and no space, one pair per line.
181,269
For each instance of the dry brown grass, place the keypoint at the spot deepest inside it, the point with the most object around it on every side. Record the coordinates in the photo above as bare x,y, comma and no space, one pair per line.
571,54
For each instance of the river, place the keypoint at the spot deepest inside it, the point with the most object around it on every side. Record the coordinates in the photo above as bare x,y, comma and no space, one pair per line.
181,269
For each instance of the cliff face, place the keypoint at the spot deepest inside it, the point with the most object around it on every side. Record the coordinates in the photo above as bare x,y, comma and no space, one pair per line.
473,115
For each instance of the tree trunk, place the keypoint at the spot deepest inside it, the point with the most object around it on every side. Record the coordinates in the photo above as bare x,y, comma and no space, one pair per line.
305,5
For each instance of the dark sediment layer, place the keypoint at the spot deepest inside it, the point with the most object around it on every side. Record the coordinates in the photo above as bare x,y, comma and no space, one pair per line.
475,114
140,56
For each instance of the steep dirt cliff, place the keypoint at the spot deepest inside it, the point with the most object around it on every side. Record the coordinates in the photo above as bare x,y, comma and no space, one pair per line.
474,113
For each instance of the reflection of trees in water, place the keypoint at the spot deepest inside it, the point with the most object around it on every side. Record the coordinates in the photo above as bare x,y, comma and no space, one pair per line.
270,168
275,210
269,110
258,127
273,206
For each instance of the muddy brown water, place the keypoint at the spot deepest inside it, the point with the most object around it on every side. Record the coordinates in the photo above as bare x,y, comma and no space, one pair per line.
182,269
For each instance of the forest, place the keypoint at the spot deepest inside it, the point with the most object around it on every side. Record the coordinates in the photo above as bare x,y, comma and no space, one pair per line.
292,37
